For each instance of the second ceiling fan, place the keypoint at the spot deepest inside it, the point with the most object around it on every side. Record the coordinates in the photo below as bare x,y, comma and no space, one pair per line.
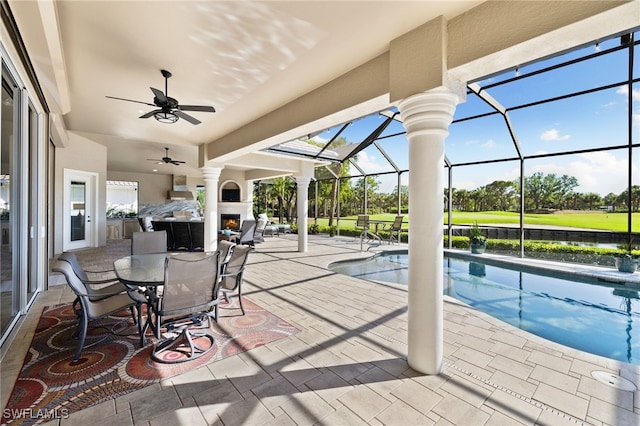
169,109
166,159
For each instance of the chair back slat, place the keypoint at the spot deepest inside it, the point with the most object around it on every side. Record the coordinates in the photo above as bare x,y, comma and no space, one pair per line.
65,267
159,225
363,221
190,283
397,223
246,231
235,266
224,250
149,242
72,259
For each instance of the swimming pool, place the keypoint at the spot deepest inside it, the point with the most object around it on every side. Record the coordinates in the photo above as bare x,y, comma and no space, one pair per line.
603,320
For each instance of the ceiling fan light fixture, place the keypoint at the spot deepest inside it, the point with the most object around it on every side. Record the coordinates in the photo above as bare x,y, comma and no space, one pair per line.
165,117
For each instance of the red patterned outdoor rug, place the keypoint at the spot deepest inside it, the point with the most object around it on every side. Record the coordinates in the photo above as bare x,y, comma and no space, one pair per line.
50,386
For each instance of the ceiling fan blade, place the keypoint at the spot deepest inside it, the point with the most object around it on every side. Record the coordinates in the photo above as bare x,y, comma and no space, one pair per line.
187,117
159,95
150,113
129,100
201,108
177,162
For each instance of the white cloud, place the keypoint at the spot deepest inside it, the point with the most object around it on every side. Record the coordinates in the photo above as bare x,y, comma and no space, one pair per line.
553,135
624,90
370,164
490,144
636,120
600,172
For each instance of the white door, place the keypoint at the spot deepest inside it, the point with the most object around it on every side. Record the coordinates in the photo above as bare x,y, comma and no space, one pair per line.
79,208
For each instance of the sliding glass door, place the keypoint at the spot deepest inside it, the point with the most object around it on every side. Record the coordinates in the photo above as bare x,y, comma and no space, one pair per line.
23,255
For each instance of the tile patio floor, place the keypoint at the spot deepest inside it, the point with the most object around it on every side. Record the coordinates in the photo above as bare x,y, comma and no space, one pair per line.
347,365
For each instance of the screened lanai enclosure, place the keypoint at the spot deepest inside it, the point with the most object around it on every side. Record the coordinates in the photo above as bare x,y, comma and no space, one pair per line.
543,157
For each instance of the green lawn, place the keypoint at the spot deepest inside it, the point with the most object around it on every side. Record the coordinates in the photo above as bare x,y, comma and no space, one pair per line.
595,220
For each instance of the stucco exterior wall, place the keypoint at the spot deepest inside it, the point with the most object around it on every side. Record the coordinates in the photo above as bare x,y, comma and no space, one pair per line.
84,155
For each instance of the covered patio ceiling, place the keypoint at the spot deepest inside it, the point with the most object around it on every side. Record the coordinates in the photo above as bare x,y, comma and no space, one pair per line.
274,71
243,58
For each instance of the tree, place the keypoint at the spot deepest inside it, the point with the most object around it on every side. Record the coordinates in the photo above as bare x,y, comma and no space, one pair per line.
623,198
461,198
611,199
334,169
500,195
372,190
548,191
563,186
283,189
590,200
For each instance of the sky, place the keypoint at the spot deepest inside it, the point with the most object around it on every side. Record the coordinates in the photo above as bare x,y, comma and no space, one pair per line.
588,121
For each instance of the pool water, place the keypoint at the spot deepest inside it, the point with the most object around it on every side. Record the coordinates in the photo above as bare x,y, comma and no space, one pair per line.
598,319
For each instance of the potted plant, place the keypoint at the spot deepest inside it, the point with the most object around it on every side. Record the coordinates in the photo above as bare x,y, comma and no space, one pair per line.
477,241
625,260
314,228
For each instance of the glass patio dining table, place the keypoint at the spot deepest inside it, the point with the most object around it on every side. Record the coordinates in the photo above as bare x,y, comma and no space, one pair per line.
146,272
141,270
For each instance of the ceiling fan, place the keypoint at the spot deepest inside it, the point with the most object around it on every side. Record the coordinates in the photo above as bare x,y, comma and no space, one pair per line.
166,159
169,110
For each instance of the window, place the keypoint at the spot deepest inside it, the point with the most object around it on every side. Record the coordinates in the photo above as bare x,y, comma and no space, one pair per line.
122,199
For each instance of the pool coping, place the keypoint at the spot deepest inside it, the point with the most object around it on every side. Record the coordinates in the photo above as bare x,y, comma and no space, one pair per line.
597,275
591,274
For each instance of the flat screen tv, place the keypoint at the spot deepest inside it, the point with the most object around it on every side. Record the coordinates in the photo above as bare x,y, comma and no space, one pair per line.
230,195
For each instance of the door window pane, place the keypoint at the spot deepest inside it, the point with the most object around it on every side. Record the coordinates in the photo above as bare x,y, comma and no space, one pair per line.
78,199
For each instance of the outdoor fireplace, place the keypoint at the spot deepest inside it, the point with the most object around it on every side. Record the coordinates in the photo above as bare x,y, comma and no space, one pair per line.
231,221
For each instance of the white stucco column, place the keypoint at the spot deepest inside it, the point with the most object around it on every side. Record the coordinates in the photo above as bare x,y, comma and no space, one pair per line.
248,198
211,176
426,117
302,197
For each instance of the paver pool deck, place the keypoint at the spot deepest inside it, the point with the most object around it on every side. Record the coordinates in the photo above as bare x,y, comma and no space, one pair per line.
348,363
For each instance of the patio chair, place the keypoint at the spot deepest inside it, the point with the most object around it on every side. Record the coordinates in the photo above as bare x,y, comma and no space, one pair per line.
89,306
246,232
362,225
148,242
258,234
189,294
225,248
159,225
395,229
231,276
89,276
102,284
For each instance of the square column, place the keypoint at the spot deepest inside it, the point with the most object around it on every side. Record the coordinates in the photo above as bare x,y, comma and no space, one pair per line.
302,197
211,176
